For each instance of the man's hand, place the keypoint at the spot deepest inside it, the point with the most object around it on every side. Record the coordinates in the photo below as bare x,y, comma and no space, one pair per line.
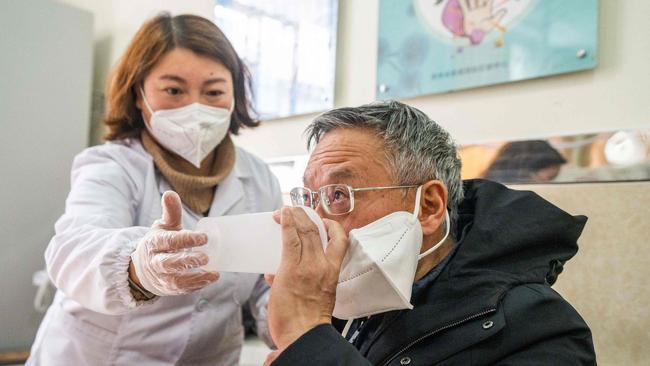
271,357
303,290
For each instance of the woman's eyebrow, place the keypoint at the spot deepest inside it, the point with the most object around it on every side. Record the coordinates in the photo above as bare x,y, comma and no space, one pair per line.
183,81
173,78
214,80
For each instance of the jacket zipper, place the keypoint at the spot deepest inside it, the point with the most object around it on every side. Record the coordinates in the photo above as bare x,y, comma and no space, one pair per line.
438,330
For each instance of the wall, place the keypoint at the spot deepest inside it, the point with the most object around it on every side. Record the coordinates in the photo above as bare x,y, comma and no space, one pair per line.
615,95
607,281
44,111
116,22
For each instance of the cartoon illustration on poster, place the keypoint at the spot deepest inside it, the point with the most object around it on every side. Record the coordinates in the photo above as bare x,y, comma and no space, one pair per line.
432,46
472,20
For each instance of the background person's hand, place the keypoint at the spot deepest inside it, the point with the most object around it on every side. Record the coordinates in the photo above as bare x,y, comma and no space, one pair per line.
160,264
304,288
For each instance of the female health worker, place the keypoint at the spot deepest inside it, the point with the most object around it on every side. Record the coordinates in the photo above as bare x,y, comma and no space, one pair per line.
129,290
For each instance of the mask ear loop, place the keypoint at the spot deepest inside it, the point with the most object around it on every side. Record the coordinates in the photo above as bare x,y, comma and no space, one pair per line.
433,248
416,210
346,329
144,98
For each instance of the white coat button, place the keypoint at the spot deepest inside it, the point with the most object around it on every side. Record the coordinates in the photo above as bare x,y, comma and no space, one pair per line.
488,324
201,305
405,361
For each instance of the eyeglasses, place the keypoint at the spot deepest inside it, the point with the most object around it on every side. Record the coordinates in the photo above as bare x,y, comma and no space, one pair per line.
336,199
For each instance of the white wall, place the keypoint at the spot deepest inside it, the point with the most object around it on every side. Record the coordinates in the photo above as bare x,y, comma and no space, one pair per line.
614,95
46,65
115,23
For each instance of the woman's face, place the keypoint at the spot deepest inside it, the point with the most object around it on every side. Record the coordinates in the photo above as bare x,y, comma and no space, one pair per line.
181,78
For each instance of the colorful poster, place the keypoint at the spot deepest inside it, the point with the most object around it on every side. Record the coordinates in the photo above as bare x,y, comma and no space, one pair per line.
435,46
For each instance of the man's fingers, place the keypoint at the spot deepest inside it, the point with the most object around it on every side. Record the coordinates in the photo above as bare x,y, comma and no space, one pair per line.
271,357
338,242
307,232
172,211
172,241
276,216
291,245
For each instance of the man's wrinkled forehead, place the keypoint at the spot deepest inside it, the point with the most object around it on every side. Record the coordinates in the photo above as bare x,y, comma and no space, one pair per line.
345,156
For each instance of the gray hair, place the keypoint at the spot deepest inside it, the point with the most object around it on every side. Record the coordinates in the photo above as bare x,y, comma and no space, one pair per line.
417,148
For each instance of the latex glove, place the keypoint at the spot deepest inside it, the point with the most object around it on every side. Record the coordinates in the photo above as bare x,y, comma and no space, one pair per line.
161,263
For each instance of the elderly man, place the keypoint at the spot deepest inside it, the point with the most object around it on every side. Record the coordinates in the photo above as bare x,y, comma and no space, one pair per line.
386,181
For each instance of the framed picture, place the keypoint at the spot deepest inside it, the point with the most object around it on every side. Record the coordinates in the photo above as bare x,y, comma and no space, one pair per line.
435,46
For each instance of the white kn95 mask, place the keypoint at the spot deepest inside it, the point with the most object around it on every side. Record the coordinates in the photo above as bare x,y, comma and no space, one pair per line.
378,270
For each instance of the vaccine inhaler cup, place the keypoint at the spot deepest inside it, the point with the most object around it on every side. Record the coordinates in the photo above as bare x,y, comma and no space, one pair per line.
247,243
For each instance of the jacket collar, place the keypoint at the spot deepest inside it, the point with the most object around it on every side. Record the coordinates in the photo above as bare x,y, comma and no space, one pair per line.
432,314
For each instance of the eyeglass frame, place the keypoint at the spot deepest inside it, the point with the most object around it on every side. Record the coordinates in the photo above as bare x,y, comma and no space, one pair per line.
351,189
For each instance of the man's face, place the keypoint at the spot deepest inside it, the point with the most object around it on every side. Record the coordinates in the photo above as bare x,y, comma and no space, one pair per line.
356,157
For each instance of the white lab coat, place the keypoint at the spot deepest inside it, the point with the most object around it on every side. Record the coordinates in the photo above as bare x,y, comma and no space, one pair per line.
94,320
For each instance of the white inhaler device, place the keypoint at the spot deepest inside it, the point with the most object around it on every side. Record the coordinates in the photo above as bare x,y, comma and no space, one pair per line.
247,243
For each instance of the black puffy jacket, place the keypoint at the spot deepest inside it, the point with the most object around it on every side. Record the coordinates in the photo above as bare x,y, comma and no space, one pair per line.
492,304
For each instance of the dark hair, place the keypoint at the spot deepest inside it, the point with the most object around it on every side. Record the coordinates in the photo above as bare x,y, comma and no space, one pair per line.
153,40
518,161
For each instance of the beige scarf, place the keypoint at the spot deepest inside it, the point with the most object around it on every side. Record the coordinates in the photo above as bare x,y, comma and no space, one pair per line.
195,186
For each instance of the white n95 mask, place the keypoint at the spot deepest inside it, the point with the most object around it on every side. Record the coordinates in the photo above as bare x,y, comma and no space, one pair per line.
379,268
192,131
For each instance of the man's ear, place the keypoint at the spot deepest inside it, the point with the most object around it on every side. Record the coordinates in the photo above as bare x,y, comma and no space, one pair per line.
433,206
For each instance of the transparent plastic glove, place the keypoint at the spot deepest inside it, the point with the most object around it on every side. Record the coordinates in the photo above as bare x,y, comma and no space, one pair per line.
162,263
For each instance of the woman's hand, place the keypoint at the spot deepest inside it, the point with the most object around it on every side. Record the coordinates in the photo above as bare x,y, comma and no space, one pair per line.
160,263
